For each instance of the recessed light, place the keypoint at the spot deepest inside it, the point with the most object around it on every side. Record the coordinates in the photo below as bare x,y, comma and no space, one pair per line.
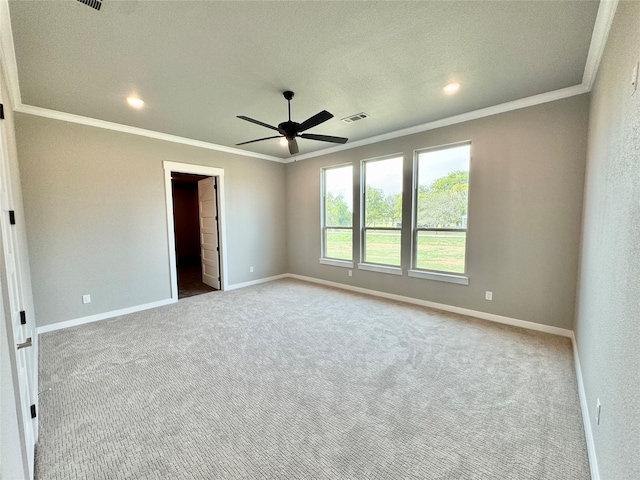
451,88
135,102
284,142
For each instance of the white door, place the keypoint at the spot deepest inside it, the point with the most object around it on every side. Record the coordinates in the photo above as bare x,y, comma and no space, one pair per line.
209,246
20,328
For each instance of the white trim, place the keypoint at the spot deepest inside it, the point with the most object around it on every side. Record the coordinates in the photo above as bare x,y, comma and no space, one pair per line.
440,277
464,117
118,127
102,316
336,263
593,462
604,19
196,170
380,268
586,419
138,308
236,286
8,55
192,169
539,327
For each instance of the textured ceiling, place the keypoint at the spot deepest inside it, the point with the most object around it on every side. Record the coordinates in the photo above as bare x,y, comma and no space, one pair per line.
198,64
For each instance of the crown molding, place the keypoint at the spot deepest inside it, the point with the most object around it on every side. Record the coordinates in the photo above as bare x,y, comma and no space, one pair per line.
93,122
8,55
602,26
604,19
445,122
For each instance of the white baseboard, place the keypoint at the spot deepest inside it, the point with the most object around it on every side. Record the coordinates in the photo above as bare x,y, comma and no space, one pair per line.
593,462
563,332
586,419
102,316
138,308
235,286
438,306
425,303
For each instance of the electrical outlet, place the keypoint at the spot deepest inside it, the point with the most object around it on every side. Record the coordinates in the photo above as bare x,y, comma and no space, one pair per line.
351,273
86,298
488,295
250,269
598,406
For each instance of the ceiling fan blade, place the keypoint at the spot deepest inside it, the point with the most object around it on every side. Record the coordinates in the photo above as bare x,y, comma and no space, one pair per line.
259,140
293,146
257,122
317,119
324,138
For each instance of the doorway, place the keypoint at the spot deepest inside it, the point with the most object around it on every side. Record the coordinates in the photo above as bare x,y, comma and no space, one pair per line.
196,233
195,228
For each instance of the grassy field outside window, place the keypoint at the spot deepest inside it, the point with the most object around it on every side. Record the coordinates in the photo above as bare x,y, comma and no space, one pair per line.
440,251
337,212
440,208
382,200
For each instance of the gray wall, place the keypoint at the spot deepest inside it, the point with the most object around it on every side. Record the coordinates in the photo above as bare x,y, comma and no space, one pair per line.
525,207
96,218
608,313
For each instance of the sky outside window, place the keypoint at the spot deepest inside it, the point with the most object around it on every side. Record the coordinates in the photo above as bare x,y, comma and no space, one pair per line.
386,175
339,181
440,163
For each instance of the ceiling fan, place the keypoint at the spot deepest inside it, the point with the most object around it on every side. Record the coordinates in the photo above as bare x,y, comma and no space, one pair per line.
290,130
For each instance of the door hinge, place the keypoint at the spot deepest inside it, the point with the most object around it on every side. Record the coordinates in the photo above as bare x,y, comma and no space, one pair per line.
23,317
218,278
12,217
1,111
33,411
217,249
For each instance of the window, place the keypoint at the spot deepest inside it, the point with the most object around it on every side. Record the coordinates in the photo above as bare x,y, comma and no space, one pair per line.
382,211
440,209
337,229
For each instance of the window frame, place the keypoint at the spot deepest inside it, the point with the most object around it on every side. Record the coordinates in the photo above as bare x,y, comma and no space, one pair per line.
364,264
324,259
432,274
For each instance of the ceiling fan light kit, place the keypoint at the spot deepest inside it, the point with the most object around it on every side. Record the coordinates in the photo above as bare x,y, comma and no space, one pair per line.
291,130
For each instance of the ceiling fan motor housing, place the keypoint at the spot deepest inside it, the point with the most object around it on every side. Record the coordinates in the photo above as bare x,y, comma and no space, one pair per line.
289,129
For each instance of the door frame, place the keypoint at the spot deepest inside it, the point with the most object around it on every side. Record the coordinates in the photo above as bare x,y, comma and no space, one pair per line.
19,415
170,167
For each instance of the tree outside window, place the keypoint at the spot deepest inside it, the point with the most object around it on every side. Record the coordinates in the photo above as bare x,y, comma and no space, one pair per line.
440,209
337,212
382,200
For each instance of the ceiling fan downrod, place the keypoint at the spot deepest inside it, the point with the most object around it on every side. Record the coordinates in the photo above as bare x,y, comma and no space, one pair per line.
288,95
290,129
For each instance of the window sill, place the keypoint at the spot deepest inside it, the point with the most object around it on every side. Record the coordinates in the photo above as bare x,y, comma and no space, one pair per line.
380,268
336,263
440,277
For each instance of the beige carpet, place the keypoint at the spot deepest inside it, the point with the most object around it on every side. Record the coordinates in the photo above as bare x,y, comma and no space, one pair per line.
290,380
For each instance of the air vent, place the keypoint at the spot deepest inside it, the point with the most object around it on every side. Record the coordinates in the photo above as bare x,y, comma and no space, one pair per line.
92,3
355,118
